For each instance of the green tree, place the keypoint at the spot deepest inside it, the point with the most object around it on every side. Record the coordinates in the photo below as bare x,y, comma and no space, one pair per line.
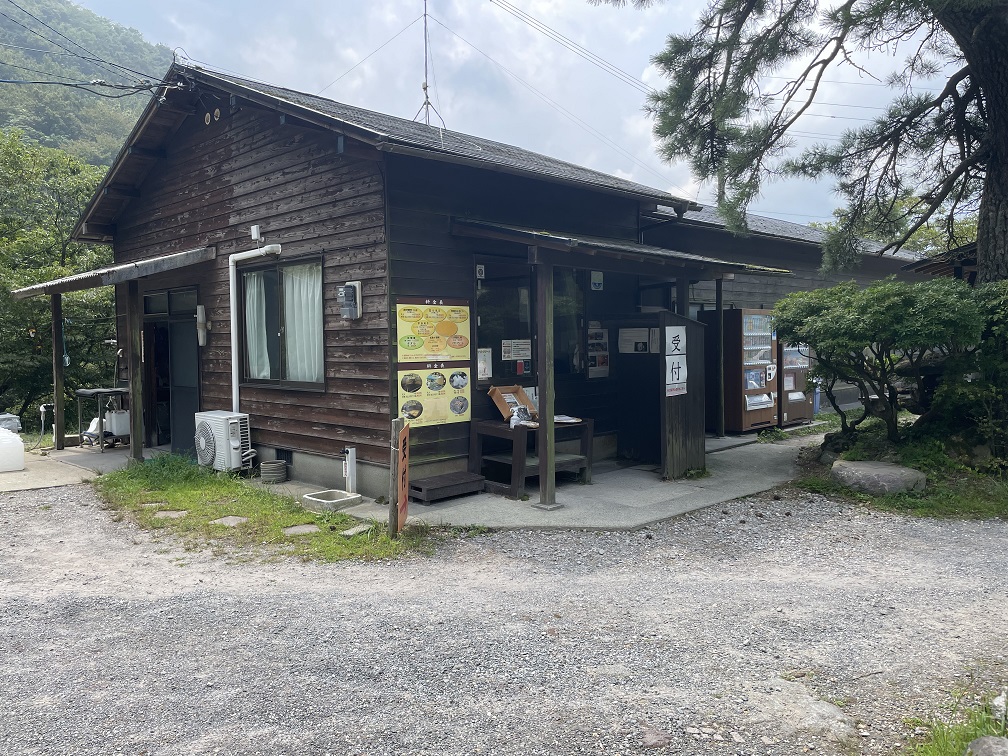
42,193
83,123
878,337
723,114
934,237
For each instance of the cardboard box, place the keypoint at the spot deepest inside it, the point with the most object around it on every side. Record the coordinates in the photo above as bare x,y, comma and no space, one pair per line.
508,397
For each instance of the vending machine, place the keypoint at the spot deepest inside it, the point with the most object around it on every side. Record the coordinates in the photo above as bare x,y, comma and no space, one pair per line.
795,393
750,368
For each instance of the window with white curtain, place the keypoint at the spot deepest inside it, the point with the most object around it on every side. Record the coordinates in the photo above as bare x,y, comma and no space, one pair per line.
282,324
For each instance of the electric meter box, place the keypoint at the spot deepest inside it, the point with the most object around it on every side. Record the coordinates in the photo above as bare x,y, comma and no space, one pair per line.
349,298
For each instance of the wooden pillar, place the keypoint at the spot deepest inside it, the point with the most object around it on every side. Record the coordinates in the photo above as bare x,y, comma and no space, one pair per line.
57,366
682,294
546,438
719,335
134,325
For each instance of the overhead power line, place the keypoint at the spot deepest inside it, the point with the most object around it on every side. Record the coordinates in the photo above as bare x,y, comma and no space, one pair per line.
96,59
574,47
563,111
376,50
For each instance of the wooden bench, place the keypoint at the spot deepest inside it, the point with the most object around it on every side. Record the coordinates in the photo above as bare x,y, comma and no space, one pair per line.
437,487
523,463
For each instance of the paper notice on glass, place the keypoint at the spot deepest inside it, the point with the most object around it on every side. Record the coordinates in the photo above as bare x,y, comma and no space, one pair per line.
675,339
521,349
654,340
633,340
484,363
506,350
598,353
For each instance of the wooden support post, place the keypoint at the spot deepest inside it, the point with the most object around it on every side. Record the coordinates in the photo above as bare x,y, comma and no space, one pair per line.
719,304
682,294
57,365
544,356
134,326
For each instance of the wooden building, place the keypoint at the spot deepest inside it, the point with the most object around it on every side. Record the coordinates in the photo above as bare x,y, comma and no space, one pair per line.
317,266
771,242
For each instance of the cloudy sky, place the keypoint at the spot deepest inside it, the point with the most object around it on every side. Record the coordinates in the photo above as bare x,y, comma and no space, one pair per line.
491,74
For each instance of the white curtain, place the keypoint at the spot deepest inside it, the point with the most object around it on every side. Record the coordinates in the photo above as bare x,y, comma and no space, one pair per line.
255,327
302,285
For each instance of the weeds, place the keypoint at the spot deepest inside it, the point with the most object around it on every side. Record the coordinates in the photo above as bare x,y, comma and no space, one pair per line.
951,738
172,482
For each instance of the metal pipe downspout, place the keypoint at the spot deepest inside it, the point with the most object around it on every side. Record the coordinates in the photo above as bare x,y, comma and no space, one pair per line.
237,257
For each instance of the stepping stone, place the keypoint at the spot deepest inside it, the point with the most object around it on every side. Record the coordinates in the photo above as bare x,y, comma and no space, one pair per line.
356,530
300,530
230,521
154,504
171,514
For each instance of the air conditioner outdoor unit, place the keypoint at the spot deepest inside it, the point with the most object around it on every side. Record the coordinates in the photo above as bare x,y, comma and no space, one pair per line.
223,441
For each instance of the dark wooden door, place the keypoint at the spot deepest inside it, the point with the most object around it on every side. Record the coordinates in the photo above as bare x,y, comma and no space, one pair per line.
184,384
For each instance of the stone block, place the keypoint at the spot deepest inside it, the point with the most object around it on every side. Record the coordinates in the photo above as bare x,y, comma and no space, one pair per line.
877,478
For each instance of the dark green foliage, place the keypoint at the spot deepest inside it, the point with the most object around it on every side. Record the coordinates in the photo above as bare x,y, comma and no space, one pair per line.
86,125
741,80
880,338
976,407
42,193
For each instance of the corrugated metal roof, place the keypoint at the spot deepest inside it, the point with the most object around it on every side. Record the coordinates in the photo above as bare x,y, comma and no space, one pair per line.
114,274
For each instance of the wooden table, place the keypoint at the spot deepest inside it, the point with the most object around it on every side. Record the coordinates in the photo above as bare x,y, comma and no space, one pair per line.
99,394
525,464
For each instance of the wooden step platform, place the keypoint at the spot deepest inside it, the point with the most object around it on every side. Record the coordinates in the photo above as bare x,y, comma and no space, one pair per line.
437,487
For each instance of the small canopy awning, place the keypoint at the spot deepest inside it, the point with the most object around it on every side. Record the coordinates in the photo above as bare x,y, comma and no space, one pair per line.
614,249
115,274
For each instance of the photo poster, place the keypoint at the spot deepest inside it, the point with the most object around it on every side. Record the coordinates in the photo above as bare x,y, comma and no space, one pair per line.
675,360
598,353
433,329
435,393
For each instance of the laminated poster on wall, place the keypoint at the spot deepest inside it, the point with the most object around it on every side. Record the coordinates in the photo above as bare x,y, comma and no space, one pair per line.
675,374
430,329
633,340
598,353
435,393
484,363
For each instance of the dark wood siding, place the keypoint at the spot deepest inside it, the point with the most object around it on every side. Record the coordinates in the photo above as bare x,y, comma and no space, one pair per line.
427,260
218,180
762,291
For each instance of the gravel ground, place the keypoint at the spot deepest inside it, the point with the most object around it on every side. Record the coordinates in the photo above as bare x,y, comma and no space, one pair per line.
765,626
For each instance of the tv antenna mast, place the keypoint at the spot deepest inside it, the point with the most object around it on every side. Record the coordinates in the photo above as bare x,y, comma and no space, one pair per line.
427,106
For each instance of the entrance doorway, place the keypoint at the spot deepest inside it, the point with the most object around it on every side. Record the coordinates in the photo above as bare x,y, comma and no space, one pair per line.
171,369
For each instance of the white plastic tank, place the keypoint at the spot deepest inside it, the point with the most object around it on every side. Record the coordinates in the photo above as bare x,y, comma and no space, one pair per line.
11,451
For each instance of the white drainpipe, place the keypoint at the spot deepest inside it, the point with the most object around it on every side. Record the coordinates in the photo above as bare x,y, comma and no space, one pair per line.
269,249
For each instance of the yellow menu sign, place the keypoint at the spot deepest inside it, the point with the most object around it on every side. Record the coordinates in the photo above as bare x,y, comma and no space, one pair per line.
432,329
434,394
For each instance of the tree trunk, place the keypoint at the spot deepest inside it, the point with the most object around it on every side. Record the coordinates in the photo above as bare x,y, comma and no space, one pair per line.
981,31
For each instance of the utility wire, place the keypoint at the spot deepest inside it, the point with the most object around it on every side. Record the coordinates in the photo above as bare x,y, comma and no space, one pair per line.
57,44
367,56
562,110
75,44
574,47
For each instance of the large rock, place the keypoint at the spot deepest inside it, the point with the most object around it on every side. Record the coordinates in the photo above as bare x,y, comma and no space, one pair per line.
877,478
988,745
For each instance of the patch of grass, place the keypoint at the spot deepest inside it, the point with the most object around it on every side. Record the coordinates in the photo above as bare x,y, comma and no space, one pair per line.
953,489
951,738
771,435
172,482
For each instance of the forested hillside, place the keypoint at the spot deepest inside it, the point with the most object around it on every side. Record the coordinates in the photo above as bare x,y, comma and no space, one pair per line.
63,115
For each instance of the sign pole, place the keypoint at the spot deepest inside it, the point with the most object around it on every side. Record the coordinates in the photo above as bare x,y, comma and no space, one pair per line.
398,477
